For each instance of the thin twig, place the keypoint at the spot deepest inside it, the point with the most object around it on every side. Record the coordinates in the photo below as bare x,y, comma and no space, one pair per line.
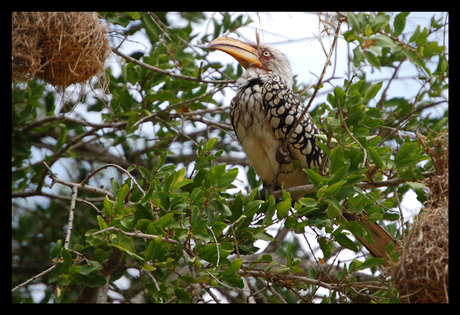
217,245
41,274
286,143
134,234
275,294
168,73
71,216
344,124
87,188
169,108
395,191
117,167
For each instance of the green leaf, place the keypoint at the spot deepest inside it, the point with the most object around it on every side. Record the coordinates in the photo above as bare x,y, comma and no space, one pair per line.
101,222
319,220
415,59
220,207
355,228
210,144
290,223
283,207
332,212
314,177
308,202
399,23
163,200
214,174
332,189
233,267
133,15
161,161
344,241
339,174
121,196
371,262
337,159
372,91
325,247
131,168
90,267
339,96
376,157
151,247
270,210
358,56
334,203
405,152
415,34
372,59
421,38
353,22
67,259
108,206
92,280
368,30
209,252
177,180
234,281
56,249
164,221
384,41
379,22
374,214
227,179
323,147
126,245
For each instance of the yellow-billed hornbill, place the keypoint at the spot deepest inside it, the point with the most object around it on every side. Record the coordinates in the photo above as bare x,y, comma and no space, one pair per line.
264,111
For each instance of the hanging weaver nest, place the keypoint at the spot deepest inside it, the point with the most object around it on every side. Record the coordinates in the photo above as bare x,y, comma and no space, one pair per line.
60,48
422,272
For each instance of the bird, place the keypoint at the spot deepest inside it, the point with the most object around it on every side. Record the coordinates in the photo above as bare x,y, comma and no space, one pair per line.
263,114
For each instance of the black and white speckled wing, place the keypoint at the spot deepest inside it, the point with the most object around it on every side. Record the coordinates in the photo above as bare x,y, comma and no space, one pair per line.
283,109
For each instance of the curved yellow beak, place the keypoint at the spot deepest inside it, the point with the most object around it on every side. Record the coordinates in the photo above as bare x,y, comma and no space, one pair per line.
245,54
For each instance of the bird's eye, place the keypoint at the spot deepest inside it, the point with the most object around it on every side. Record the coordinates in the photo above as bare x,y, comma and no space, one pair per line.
266,53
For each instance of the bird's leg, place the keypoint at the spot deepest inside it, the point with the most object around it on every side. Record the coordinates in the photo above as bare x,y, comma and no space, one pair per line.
266,188
283,157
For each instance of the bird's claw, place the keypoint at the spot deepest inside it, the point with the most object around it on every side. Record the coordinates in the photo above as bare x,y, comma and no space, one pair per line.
267,190
283,157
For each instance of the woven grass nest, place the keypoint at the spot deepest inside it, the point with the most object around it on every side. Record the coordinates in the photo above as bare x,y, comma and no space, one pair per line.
60,48
422,272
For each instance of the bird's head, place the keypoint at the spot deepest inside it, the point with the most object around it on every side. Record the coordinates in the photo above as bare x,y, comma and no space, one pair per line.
253,56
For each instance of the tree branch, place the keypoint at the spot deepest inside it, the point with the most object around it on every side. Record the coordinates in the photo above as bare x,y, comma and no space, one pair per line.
290,277
87,188
71,216
309,189
134,234
35,277
168,73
